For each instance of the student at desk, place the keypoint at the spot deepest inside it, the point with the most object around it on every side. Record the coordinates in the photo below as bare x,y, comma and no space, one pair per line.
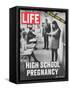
25,46
31,37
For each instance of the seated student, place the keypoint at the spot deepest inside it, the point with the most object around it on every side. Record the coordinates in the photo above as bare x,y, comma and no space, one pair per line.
25,46
30,35
31,38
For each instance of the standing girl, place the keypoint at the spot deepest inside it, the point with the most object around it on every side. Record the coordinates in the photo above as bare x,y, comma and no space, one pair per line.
55,36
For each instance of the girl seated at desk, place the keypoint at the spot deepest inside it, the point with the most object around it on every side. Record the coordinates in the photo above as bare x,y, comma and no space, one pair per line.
26,47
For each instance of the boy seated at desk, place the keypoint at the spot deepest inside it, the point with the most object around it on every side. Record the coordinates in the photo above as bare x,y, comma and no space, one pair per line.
27,49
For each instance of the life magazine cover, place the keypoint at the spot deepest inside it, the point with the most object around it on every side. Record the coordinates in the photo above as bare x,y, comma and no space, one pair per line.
42,44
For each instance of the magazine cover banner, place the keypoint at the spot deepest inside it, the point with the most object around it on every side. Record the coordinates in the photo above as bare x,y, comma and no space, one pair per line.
42,44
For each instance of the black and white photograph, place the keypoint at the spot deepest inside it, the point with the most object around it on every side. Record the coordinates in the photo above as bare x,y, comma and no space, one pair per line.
42,45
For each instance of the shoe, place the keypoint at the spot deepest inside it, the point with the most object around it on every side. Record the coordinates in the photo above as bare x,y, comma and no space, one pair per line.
36,61
52,60
47,48
35,48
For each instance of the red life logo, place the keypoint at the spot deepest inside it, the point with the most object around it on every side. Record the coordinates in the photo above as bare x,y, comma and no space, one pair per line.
30,18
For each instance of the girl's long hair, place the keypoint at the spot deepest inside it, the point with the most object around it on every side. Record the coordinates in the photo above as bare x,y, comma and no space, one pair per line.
56,25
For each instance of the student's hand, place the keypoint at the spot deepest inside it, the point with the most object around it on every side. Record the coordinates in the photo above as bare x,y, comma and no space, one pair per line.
64,44
48,34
